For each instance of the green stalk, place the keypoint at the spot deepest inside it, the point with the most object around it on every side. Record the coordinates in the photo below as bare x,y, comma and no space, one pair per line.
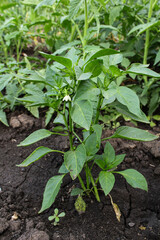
151,5
4,48
75,134
94,186
82,183
98,109
72,33
18,49
87,175
86,22
70,128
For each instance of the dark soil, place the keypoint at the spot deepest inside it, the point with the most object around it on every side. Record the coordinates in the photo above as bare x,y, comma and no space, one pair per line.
21,191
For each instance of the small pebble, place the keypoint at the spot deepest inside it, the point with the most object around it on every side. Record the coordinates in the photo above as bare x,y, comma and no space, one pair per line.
131,224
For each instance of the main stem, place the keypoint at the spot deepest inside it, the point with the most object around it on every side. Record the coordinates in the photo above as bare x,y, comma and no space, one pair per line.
70,128
98,109
94,186
147,37
86,22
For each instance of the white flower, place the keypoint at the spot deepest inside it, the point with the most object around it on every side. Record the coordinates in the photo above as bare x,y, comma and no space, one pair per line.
67,98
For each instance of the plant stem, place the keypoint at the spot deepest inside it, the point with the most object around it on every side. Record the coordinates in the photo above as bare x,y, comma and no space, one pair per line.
87,175
86,23
152,3
70,128
81,182
72,33
75,134
94,186
4,48
98,109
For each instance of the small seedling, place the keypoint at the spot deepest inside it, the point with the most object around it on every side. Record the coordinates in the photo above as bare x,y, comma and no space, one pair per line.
56,216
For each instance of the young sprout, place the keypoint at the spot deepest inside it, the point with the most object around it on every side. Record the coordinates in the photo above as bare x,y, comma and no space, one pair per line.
56,216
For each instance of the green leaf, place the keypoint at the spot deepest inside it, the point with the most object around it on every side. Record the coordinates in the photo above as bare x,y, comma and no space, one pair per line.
35,137
115,59
157,59
76,191
98,159
35,155
62,214
107,181
109,95
98,130
82,113
91,145
129,98
80,75
45,3
135,179
63,169
123,110
109,154
114,13
50,218
7,5
74,160
62,60
141,70
3,118
94,67
154,102
34,77
4,80
102,53
144,27
87,90
133,134
74,7
51,191
116,162
49,115
67,46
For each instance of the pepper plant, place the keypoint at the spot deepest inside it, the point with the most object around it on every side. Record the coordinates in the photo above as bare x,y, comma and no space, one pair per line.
77,89
77,86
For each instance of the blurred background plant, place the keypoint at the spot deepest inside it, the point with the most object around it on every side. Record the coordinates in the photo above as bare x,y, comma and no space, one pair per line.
28,27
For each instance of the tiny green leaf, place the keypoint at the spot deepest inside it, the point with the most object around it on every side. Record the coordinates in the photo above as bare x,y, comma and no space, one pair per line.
50,218
62,214
35,137
135,179
76,191
107,181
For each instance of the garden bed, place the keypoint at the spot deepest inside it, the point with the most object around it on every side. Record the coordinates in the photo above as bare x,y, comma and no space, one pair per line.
22,190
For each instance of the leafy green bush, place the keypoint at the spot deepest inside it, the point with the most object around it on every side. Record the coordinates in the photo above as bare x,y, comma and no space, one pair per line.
78,88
